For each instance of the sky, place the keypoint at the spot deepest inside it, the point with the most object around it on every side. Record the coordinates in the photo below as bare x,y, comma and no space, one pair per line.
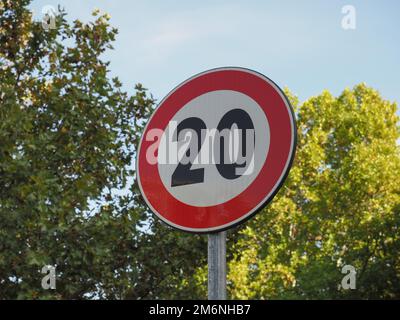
298,44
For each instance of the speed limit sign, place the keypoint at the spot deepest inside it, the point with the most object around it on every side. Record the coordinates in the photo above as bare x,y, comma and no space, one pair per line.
216,150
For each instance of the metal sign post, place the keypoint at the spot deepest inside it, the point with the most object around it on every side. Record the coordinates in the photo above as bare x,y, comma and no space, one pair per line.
217,266
207,189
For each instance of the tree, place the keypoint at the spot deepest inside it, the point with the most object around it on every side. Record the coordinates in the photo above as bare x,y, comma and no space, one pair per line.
339,206
66,132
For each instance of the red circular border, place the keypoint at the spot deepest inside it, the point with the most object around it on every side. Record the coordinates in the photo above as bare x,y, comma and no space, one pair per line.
281,123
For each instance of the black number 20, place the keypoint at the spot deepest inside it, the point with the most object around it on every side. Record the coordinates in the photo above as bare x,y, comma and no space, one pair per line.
184,175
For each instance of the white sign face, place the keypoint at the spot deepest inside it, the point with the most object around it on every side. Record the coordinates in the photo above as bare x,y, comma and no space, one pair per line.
211,108
216,150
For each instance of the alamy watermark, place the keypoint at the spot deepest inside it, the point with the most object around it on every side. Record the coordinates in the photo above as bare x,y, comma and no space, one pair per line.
199,145
349,19
49,17
349,280
49,280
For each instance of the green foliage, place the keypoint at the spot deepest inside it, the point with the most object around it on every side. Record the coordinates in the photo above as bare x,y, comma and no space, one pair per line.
69,197
340,205
66,132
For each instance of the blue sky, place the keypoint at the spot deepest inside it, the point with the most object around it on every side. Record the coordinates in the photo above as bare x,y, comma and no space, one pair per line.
298,44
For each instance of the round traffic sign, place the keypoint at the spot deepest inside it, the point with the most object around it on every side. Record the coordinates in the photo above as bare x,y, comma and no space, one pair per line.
216,150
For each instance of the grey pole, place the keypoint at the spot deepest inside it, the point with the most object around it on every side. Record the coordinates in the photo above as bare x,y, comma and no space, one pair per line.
217,266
